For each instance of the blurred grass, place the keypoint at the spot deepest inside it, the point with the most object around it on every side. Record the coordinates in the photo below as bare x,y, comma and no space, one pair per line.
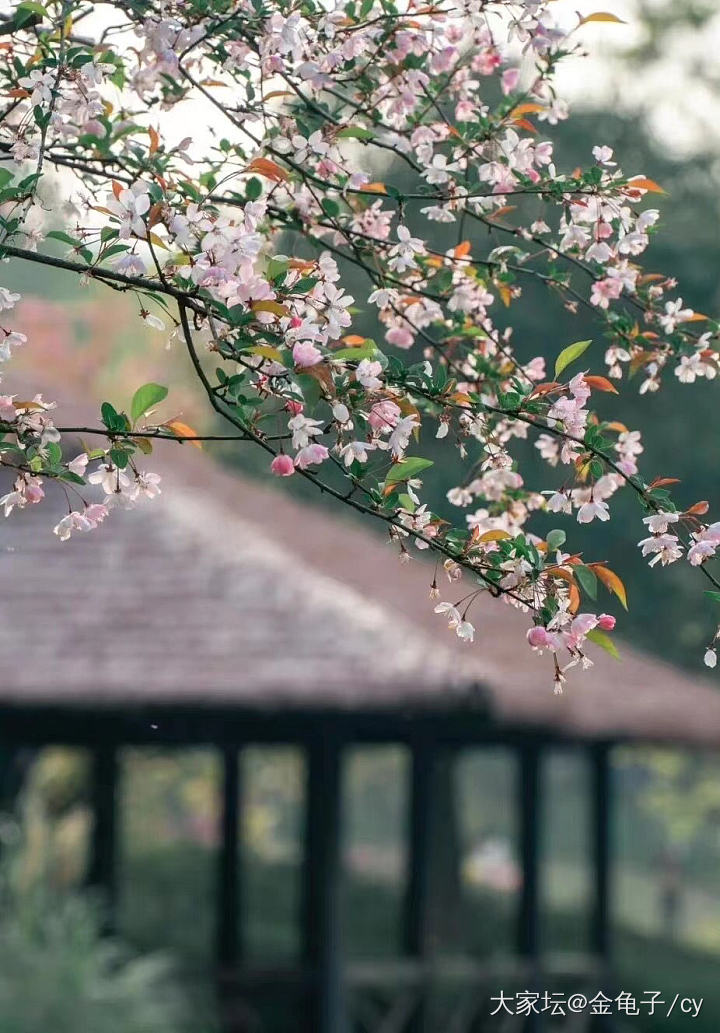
168,902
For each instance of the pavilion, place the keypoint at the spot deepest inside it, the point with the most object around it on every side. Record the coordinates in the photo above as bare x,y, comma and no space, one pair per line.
246,617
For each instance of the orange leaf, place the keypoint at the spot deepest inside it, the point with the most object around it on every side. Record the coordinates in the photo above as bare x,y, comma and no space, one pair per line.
505,210
182,430
155,214
460,398
154,139
462,250
601,16
544,389
600,384
28,405
526,109
494,536
352,340
268,169
522,123
699,509
641,183
278,93
560,572
322,374
616,425
574,599
375,188
696,317
505,293
660,481
407,408
117,189
611,581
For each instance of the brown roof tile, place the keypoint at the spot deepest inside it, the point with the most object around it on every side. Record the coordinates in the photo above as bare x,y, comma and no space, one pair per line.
225,591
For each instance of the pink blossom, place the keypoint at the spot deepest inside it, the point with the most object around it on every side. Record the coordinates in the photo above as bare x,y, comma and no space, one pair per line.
306,354
384,415
538,638
400,336
311,455
595,509
510,79
282,465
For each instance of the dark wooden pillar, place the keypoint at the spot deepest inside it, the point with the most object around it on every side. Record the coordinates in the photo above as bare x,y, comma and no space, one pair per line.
417,931
321,918
601,817
528,931
228,886
601,813
529,817
416,916
103,843
13,766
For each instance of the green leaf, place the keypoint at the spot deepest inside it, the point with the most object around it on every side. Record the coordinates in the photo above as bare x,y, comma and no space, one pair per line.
277,267
406,469
569,354
120,457
586,579
112,419
330,207
555,539
358,352
715,596
357,133
253,189
604,641
31,7
145,398
53,453
305,284
71,478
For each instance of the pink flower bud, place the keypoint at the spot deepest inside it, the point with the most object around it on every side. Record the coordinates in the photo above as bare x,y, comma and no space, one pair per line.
538,638
282,466
606,622
34,492
294,408
510,79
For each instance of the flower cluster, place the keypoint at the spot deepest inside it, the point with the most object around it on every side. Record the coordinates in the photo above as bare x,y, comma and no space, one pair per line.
412,145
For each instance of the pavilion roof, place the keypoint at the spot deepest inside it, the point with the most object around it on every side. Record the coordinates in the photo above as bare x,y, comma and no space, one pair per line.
228,592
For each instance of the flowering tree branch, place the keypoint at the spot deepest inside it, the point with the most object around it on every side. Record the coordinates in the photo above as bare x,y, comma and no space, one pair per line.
401,141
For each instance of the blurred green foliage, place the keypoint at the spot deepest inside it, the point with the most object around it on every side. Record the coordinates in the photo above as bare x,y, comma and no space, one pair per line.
60,972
